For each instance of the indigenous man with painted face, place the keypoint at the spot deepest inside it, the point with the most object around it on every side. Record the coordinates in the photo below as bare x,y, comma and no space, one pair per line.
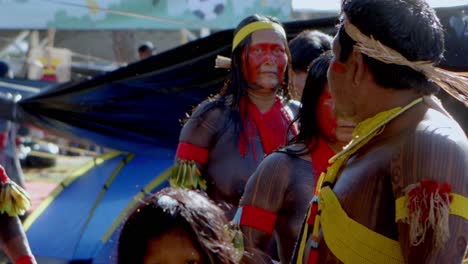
277,195
397,192
228,135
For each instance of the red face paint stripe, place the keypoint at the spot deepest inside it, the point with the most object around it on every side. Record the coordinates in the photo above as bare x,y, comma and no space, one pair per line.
337,67
261,53
325,116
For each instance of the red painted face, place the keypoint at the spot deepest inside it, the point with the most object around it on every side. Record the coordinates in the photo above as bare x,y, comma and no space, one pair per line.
265,61
266,53
326,119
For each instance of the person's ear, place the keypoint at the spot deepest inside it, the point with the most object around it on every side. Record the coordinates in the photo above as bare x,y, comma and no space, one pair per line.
358,67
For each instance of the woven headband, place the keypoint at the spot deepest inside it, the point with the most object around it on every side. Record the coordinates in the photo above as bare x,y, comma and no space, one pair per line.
255,26
454,83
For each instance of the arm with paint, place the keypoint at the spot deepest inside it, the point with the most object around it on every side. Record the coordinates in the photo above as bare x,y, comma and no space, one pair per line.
13,240
14,201
260,207
431,191
196,137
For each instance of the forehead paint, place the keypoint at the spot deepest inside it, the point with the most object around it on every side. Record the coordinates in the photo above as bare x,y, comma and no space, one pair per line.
260,54
325,116
338,67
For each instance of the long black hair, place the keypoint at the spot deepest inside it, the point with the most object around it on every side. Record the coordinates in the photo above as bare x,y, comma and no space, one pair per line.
309,130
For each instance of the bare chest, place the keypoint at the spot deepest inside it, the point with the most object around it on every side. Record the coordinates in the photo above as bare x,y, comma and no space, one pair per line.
227,170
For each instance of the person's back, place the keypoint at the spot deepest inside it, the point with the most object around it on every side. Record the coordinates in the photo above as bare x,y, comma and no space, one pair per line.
422,144
396,193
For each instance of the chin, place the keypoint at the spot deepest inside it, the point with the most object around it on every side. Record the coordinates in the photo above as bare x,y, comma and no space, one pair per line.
344,114
266,87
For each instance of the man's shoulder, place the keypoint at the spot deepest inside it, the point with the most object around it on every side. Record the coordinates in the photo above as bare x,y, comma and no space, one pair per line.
437,150
276,158
278,169
293,151
286,160
277,164
439,129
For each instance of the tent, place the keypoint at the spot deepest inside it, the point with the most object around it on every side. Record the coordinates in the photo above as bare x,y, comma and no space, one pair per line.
135,109
80,220
23,87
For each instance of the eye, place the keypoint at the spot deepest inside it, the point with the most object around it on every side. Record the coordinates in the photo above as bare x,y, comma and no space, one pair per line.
258,50
277,49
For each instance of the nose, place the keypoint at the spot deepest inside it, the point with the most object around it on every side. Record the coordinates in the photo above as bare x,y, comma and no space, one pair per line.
270,58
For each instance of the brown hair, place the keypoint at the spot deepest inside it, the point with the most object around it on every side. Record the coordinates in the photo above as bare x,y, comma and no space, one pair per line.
171,208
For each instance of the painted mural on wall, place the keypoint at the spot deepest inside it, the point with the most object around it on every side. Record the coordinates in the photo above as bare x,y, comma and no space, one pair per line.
135,14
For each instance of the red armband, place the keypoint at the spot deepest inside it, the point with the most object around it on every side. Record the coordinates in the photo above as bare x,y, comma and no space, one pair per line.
26,260
187,151
258,218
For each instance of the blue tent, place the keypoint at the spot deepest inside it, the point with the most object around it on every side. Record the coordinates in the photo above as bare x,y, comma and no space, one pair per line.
80,220
23,87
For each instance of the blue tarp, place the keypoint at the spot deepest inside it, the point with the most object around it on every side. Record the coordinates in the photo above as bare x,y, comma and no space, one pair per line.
88,210
140,106
23,87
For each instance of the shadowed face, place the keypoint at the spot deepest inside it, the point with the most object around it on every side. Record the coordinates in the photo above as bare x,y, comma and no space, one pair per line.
173,247
265,60
339,80
334,129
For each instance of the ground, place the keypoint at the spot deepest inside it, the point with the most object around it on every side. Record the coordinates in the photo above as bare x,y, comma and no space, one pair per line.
41,182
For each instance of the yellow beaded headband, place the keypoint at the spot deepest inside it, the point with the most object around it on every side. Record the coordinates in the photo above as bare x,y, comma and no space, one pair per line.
255,26
454,83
